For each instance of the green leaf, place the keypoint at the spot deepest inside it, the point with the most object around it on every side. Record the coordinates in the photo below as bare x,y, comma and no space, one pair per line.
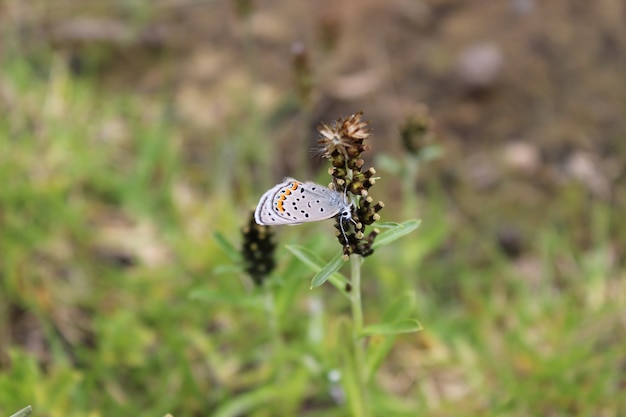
310,259
316,264
227,269
351,367
395,233
330,268
388,163
431,152
244,403
403,326
23,412
401,309
387,225
233,254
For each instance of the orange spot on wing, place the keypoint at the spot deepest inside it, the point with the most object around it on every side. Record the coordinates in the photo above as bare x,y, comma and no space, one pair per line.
280,203
284,195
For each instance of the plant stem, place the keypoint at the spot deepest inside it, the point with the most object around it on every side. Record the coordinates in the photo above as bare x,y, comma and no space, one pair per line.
270,309
357,310
278,343
409,185
357,340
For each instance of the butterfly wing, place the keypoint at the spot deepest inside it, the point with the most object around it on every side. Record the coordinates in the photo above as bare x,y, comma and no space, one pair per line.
311,202
292,202
271,209
263,214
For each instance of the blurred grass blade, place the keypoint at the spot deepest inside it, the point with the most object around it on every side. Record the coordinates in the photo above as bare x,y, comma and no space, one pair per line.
245,403
395,233
310,259
232,252
23,412
330,268
350,371
399,310
404,326
227,269
316,264
208,296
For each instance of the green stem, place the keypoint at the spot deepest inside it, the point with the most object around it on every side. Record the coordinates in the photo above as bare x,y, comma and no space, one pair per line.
357,309
278,341
357,339
409,184
270,308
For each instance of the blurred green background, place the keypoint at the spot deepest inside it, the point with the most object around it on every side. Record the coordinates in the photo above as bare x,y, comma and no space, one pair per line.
131,131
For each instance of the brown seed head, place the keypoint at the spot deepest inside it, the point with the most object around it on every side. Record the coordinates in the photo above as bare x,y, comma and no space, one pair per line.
345,136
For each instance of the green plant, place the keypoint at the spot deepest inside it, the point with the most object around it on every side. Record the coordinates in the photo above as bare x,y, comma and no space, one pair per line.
343,145
24,412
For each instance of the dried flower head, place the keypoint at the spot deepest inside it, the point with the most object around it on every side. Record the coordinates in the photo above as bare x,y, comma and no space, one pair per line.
344,139
258,250
343,146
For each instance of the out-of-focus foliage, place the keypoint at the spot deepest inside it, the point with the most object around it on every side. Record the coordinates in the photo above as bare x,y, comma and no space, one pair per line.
131,132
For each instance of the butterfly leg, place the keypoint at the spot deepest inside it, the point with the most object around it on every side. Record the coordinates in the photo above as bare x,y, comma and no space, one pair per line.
343,232
345,215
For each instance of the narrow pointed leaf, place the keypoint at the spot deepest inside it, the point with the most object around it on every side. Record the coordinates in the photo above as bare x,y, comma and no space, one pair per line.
315,263
387,225
401,309
388,163
395,233
404,326
351,381
330,268
233,254
246,402
23,412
